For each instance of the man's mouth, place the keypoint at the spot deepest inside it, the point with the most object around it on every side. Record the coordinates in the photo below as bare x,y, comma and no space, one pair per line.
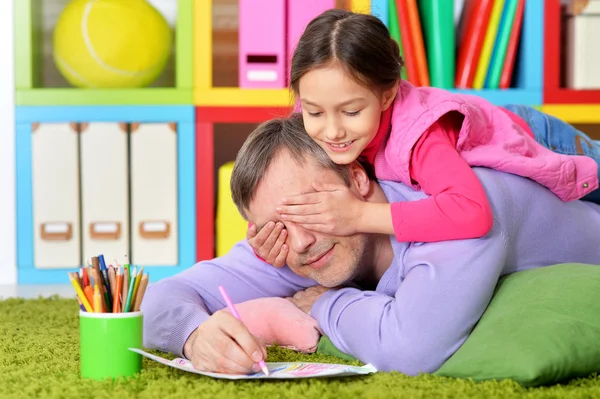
319,261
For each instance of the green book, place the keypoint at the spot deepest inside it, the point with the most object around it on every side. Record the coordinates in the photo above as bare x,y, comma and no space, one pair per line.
492,80
395,30
437,21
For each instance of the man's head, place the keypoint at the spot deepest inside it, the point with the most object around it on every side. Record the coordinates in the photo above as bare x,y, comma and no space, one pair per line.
280,159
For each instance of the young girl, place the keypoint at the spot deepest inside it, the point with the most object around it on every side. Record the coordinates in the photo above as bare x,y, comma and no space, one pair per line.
346,74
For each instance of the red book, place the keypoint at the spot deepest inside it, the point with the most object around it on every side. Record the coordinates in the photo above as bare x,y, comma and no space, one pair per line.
477,18
513,44
407,44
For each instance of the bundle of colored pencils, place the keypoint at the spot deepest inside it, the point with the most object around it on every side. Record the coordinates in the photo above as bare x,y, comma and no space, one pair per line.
112,289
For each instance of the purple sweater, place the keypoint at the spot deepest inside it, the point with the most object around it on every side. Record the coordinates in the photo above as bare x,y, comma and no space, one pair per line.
426,303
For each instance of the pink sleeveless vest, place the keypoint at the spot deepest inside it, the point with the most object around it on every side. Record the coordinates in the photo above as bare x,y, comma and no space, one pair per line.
488,138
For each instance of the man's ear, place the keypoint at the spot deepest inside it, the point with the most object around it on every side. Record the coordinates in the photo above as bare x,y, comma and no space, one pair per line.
388,96
359,178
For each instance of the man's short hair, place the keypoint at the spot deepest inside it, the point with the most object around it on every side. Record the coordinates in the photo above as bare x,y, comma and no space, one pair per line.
267,141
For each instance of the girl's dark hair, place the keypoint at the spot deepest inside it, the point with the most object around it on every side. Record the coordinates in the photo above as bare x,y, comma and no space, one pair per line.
361,43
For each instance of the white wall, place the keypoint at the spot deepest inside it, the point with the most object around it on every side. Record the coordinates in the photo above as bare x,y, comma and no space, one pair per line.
8,262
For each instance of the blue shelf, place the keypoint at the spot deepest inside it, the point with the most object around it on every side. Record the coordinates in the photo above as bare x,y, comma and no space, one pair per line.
510,96
184,116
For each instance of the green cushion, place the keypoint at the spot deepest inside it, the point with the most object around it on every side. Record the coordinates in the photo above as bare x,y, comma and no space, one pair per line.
326,347
541,327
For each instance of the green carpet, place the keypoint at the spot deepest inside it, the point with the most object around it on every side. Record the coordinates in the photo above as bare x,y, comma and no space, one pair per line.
39,357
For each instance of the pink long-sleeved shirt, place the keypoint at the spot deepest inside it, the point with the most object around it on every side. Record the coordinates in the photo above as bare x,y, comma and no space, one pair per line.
457,207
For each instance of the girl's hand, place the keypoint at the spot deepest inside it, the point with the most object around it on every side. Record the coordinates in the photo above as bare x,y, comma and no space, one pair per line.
333,209
269,242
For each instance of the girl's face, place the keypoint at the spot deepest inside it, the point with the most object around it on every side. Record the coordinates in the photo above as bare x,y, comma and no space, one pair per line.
339,114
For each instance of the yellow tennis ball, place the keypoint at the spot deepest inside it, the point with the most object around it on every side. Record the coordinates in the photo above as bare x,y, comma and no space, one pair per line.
111,43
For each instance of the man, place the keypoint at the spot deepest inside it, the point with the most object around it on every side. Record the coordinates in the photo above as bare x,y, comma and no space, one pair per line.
407,306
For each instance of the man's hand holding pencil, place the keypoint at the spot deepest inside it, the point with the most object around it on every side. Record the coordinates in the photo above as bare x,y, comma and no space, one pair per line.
223,344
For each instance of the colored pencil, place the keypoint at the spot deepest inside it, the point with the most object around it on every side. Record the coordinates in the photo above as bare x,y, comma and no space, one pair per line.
80,294
115,289
118,288
136,285
130,291
105,280
99,278
89,293
97,299
234,312
111,279
140,293
86,277
125,290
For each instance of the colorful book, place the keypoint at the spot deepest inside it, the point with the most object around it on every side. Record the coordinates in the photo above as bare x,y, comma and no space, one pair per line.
488,45
513,45
476,19
407,43
439,34
492,80
416,35
395,32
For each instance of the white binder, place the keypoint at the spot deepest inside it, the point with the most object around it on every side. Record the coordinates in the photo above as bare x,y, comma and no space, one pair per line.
104,190
55,185
153,163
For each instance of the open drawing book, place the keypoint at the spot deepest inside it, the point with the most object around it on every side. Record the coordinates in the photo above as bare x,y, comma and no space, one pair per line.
288,370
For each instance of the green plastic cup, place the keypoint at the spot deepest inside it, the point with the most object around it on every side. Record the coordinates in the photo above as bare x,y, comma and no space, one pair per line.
104,342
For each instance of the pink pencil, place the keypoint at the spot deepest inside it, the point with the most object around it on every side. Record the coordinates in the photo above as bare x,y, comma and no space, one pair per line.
234,312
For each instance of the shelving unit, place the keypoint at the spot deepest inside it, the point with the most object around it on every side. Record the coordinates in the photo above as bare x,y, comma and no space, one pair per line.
187,95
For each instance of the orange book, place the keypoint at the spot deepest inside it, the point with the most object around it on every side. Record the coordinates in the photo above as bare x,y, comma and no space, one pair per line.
476,19
416,35
407,43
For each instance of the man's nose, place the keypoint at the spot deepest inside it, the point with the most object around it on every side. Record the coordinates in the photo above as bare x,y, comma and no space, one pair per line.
299,239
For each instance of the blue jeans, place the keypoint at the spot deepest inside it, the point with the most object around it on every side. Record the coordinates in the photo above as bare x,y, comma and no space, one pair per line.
559,137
